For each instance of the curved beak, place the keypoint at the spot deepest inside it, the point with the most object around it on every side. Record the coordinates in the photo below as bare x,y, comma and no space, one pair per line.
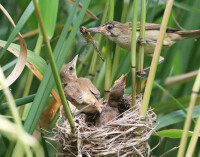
100,29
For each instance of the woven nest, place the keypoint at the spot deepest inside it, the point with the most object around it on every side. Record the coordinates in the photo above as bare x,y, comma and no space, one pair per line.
126,135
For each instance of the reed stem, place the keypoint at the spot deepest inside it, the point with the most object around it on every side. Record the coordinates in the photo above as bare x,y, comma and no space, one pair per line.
193,99
92,69
155,59
108,69
108,58
141,45
194,139
116,61
133,51
54,68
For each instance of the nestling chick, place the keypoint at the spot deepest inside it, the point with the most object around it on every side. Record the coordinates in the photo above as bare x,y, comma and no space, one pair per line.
111,111
79,91
121,34
117,91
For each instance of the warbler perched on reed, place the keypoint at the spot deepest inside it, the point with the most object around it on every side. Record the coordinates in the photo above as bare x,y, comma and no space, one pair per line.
121,33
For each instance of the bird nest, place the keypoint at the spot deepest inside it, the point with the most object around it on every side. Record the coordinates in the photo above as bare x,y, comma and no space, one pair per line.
126,135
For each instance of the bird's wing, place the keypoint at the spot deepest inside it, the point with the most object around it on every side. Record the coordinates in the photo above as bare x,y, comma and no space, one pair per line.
73,92
153,26
91,87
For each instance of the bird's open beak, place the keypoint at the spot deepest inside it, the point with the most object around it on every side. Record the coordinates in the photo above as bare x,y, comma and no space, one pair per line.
100,29
121,80
74,61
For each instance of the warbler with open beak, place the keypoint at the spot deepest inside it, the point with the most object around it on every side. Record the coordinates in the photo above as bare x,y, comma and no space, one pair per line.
121,33
117,91
110,111
79,91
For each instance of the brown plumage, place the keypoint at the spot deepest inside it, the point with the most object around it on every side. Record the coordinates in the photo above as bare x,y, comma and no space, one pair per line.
121,33
79,91
111,111
117,91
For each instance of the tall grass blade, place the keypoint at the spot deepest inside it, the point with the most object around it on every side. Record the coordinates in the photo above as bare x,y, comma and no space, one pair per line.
60,54
49,15
27,13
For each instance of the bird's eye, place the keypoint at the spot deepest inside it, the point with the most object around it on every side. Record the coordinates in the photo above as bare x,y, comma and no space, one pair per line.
70,68
110,26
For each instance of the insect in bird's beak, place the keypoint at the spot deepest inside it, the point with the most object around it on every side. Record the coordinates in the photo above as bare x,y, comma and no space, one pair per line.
83,29
101,29
86,34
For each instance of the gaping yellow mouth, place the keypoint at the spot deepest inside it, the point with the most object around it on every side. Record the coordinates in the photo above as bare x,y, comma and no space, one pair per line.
121,80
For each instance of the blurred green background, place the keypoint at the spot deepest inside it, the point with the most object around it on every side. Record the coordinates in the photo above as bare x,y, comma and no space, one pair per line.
183,57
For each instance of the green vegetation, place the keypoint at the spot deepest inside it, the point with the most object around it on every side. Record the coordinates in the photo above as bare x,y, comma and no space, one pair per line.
53,38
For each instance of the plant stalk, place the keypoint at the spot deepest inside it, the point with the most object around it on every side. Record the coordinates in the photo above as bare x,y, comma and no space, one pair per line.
116,60
133,51
60,53
94,57
194,139
30,75
54,69
178,104
14,111
155,59
108,69
193,99
84,62
141,45
108,58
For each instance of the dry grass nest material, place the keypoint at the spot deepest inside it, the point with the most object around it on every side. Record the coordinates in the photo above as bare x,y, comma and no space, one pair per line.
125,136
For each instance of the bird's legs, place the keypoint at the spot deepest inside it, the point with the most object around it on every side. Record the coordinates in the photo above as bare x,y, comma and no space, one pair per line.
143,73
139,73
141,42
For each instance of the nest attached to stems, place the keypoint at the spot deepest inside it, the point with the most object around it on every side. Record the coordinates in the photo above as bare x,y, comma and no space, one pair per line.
125,136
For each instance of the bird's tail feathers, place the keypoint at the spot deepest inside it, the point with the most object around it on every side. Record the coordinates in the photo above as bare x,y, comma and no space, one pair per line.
189,34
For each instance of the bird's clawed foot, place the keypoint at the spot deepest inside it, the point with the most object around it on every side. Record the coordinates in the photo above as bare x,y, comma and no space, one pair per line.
143,73
140,74
141,42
